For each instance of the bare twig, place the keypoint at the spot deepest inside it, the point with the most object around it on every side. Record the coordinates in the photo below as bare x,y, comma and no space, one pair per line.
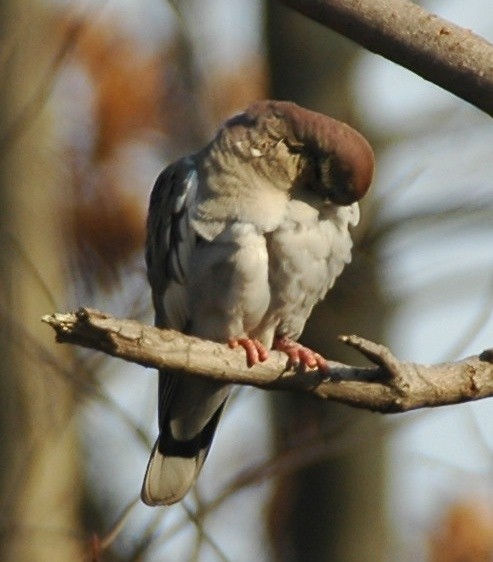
443,53
33,106
390,386
106,541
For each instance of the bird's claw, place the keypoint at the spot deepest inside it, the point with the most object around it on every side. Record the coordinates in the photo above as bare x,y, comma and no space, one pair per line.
299,355
255,350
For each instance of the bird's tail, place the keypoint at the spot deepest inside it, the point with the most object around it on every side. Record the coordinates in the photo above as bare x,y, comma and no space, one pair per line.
168,478
175,465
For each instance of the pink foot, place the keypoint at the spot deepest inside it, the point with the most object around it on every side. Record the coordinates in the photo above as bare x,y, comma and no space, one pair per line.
300,355
255,350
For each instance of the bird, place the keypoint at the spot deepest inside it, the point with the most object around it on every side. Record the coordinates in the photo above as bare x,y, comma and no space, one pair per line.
244,237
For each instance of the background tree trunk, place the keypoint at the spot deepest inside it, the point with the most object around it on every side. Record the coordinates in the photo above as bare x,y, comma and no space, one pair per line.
333,508
40,485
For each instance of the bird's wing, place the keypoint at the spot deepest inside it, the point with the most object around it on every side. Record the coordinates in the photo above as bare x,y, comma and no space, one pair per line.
170,242
188,410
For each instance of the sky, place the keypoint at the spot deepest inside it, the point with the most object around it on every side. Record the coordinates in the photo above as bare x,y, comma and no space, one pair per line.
441,276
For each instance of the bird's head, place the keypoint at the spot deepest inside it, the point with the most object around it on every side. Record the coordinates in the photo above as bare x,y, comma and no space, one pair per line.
331,158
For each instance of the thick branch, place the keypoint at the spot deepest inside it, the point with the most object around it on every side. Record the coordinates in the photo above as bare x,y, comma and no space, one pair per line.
389,386
443,53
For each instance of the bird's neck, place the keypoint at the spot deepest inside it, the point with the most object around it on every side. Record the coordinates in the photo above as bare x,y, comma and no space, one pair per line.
231,189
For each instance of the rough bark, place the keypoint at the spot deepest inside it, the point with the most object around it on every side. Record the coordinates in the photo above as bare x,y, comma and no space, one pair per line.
389,386
443,53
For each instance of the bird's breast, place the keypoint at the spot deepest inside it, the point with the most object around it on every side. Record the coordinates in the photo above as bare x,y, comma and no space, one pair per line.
306,255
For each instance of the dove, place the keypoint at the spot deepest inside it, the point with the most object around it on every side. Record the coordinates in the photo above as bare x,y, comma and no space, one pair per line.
244,237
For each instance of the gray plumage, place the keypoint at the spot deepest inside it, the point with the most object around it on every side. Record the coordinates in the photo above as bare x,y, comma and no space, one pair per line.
244,238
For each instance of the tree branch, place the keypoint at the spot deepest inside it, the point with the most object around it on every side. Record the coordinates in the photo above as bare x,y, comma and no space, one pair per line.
389,386
443,53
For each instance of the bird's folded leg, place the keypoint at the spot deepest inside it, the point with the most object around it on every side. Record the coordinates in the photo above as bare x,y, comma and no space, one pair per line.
255,350
299,355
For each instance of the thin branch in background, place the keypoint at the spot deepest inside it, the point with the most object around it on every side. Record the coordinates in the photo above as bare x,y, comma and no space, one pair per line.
291,460
31,109
198,502
80,376
148,537
106,541
305,453
139,433
10,41
401,31
195,360
23,254
477,430
188,105
476,326
197,520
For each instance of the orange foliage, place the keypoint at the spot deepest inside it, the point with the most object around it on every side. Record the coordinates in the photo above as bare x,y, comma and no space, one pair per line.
127,83
131,98
107,222
235,90
107,229
466,535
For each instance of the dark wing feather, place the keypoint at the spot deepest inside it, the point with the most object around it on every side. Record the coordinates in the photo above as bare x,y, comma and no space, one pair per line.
170,241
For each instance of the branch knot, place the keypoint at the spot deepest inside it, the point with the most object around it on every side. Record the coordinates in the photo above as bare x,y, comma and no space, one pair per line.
389,386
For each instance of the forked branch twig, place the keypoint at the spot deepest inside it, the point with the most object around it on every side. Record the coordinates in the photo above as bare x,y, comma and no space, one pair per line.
389,386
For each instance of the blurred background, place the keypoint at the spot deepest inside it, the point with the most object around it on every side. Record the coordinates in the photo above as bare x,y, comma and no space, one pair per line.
96,97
